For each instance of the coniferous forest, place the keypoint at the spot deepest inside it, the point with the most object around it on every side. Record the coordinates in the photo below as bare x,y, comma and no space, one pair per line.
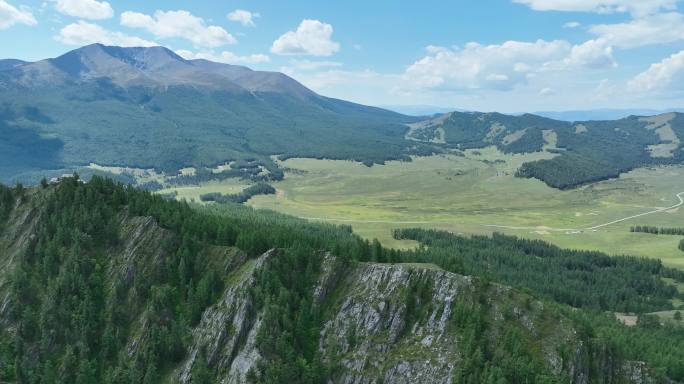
71,308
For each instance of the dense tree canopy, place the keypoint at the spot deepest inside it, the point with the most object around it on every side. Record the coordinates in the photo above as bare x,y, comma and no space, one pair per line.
72,320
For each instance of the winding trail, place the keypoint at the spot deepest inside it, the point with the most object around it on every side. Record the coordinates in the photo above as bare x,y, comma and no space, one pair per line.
679,196
538,227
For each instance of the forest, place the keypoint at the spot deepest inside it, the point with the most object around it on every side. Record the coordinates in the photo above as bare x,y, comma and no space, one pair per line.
657,230
71,324
586,152
260,188
581,279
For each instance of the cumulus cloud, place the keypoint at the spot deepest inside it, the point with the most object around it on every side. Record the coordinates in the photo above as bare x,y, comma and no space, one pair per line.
571,24
635,7
243,17
224,57
591,54
179,24
666,74
502,66
312,38
11,15
85,9
84,33
654,29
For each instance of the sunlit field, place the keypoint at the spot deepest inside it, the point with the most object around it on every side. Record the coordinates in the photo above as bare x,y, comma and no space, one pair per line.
478,194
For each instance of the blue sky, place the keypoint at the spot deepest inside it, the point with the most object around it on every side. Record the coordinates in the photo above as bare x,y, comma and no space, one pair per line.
503,55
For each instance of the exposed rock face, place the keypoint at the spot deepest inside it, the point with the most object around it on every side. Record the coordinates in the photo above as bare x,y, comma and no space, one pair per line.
228,329
376,336
15,237
371,332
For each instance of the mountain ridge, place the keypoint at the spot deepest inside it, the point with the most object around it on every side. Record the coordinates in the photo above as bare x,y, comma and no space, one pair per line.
151,108
583,152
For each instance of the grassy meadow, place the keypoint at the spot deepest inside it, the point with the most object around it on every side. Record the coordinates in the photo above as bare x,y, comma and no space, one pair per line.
478,194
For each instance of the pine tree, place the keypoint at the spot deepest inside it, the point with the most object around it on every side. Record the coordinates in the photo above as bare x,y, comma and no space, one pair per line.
200,369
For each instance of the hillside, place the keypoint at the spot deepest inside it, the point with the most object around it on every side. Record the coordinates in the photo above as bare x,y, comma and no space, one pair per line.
104,283
148,107
587,151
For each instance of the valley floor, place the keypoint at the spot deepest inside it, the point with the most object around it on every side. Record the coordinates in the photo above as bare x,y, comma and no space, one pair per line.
478,194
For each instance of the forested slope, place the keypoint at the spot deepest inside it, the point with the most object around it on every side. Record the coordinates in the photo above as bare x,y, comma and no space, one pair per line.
150,108
585,152
105,283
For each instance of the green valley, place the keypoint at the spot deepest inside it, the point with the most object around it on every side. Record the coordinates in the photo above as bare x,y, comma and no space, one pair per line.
478,194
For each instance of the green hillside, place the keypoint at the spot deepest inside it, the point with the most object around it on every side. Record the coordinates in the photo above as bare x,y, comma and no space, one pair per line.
586,151
105,283
116,106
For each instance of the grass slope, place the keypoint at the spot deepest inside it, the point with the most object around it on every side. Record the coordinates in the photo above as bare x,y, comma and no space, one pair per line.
463,194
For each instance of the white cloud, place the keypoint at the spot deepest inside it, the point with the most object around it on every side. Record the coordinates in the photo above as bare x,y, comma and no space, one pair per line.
635,7
179,24
243,17
503,66
654,29
224,57
572,24
85,9
312,37
591,54
664,75
84,33
546,92
11,15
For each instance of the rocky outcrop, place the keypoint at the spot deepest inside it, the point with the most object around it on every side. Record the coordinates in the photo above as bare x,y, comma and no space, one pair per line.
227,332
16,236
371,332
376,335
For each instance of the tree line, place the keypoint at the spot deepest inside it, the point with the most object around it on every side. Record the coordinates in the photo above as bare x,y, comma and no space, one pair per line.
260,188
657,230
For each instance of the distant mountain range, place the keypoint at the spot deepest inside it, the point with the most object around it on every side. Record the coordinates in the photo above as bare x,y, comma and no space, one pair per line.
570,115
150,108
420,110
603,114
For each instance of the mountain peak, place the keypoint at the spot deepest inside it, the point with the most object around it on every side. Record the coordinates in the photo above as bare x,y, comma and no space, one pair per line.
97,57
153,67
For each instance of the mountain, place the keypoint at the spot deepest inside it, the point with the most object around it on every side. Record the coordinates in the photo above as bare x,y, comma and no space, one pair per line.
10,63
108,284
419,110
604,114
580,152
148,107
